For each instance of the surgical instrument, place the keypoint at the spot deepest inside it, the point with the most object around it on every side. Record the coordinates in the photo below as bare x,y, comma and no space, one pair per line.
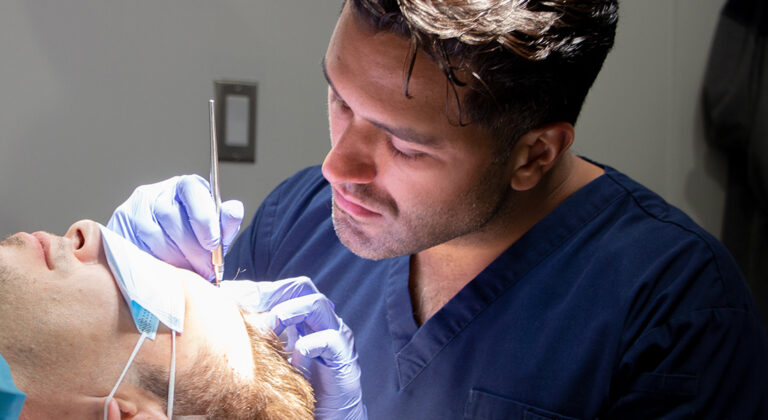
217,256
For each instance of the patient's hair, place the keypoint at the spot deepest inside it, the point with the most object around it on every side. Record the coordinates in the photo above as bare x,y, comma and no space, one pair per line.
212,389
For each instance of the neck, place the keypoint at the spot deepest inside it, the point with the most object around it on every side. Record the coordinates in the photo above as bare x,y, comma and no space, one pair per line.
439,273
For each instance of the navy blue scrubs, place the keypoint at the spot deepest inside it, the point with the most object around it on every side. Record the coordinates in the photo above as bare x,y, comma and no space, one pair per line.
615,305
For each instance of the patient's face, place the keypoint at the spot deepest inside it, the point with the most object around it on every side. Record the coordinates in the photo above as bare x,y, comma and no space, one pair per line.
67,332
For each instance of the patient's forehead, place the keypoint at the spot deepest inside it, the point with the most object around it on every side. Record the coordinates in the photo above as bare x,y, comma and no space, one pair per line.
213,319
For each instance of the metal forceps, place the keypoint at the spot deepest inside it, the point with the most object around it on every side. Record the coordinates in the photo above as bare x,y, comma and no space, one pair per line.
217,255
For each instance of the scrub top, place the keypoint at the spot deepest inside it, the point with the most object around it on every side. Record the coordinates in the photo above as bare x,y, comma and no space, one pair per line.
11,399
615,305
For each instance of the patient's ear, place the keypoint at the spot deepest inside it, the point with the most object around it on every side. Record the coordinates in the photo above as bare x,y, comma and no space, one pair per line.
135,403
113,410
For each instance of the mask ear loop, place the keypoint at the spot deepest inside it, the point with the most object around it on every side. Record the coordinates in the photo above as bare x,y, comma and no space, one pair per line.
172,379
125,369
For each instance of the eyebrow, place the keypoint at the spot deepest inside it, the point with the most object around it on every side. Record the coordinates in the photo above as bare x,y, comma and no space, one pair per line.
402,133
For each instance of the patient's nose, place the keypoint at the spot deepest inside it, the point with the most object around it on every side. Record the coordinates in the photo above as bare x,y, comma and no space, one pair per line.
85,238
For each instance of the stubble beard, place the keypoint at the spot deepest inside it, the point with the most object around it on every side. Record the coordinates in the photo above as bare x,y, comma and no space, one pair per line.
423,228
6,272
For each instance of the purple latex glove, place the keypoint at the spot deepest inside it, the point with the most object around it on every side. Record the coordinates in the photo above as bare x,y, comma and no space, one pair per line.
175,220
325,349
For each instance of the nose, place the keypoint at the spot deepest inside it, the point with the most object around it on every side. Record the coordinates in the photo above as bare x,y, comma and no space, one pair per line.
85,237
352,155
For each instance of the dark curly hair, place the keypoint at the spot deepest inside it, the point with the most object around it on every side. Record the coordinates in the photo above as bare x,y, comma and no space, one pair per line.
525,62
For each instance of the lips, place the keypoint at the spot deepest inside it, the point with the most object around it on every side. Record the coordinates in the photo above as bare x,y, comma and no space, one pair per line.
44,241
350,206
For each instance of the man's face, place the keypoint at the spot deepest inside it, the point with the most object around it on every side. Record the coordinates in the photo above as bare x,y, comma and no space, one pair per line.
404,177
67,332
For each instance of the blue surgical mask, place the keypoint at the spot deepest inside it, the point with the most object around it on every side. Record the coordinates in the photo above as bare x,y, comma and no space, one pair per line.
151,288
153,292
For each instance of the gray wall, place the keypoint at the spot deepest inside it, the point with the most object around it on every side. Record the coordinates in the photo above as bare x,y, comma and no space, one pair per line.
98,97
643,115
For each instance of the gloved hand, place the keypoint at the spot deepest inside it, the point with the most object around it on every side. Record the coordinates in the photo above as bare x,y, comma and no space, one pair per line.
175,220
325,349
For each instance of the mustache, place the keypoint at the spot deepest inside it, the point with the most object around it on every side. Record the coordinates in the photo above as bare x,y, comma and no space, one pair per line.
366,194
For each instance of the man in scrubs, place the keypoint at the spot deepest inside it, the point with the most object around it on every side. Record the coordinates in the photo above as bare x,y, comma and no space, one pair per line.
486,270
67,334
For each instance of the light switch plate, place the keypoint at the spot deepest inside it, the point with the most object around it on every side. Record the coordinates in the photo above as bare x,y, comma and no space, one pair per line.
236,120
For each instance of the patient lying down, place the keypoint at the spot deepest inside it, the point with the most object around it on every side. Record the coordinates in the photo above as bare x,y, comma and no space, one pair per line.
68,333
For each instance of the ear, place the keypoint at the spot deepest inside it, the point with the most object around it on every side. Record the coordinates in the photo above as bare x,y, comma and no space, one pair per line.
115,410
537,151
135,403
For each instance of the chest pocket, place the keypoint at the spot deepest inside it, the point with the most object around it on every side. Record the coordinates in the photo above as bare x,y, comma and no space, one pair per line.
484,406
